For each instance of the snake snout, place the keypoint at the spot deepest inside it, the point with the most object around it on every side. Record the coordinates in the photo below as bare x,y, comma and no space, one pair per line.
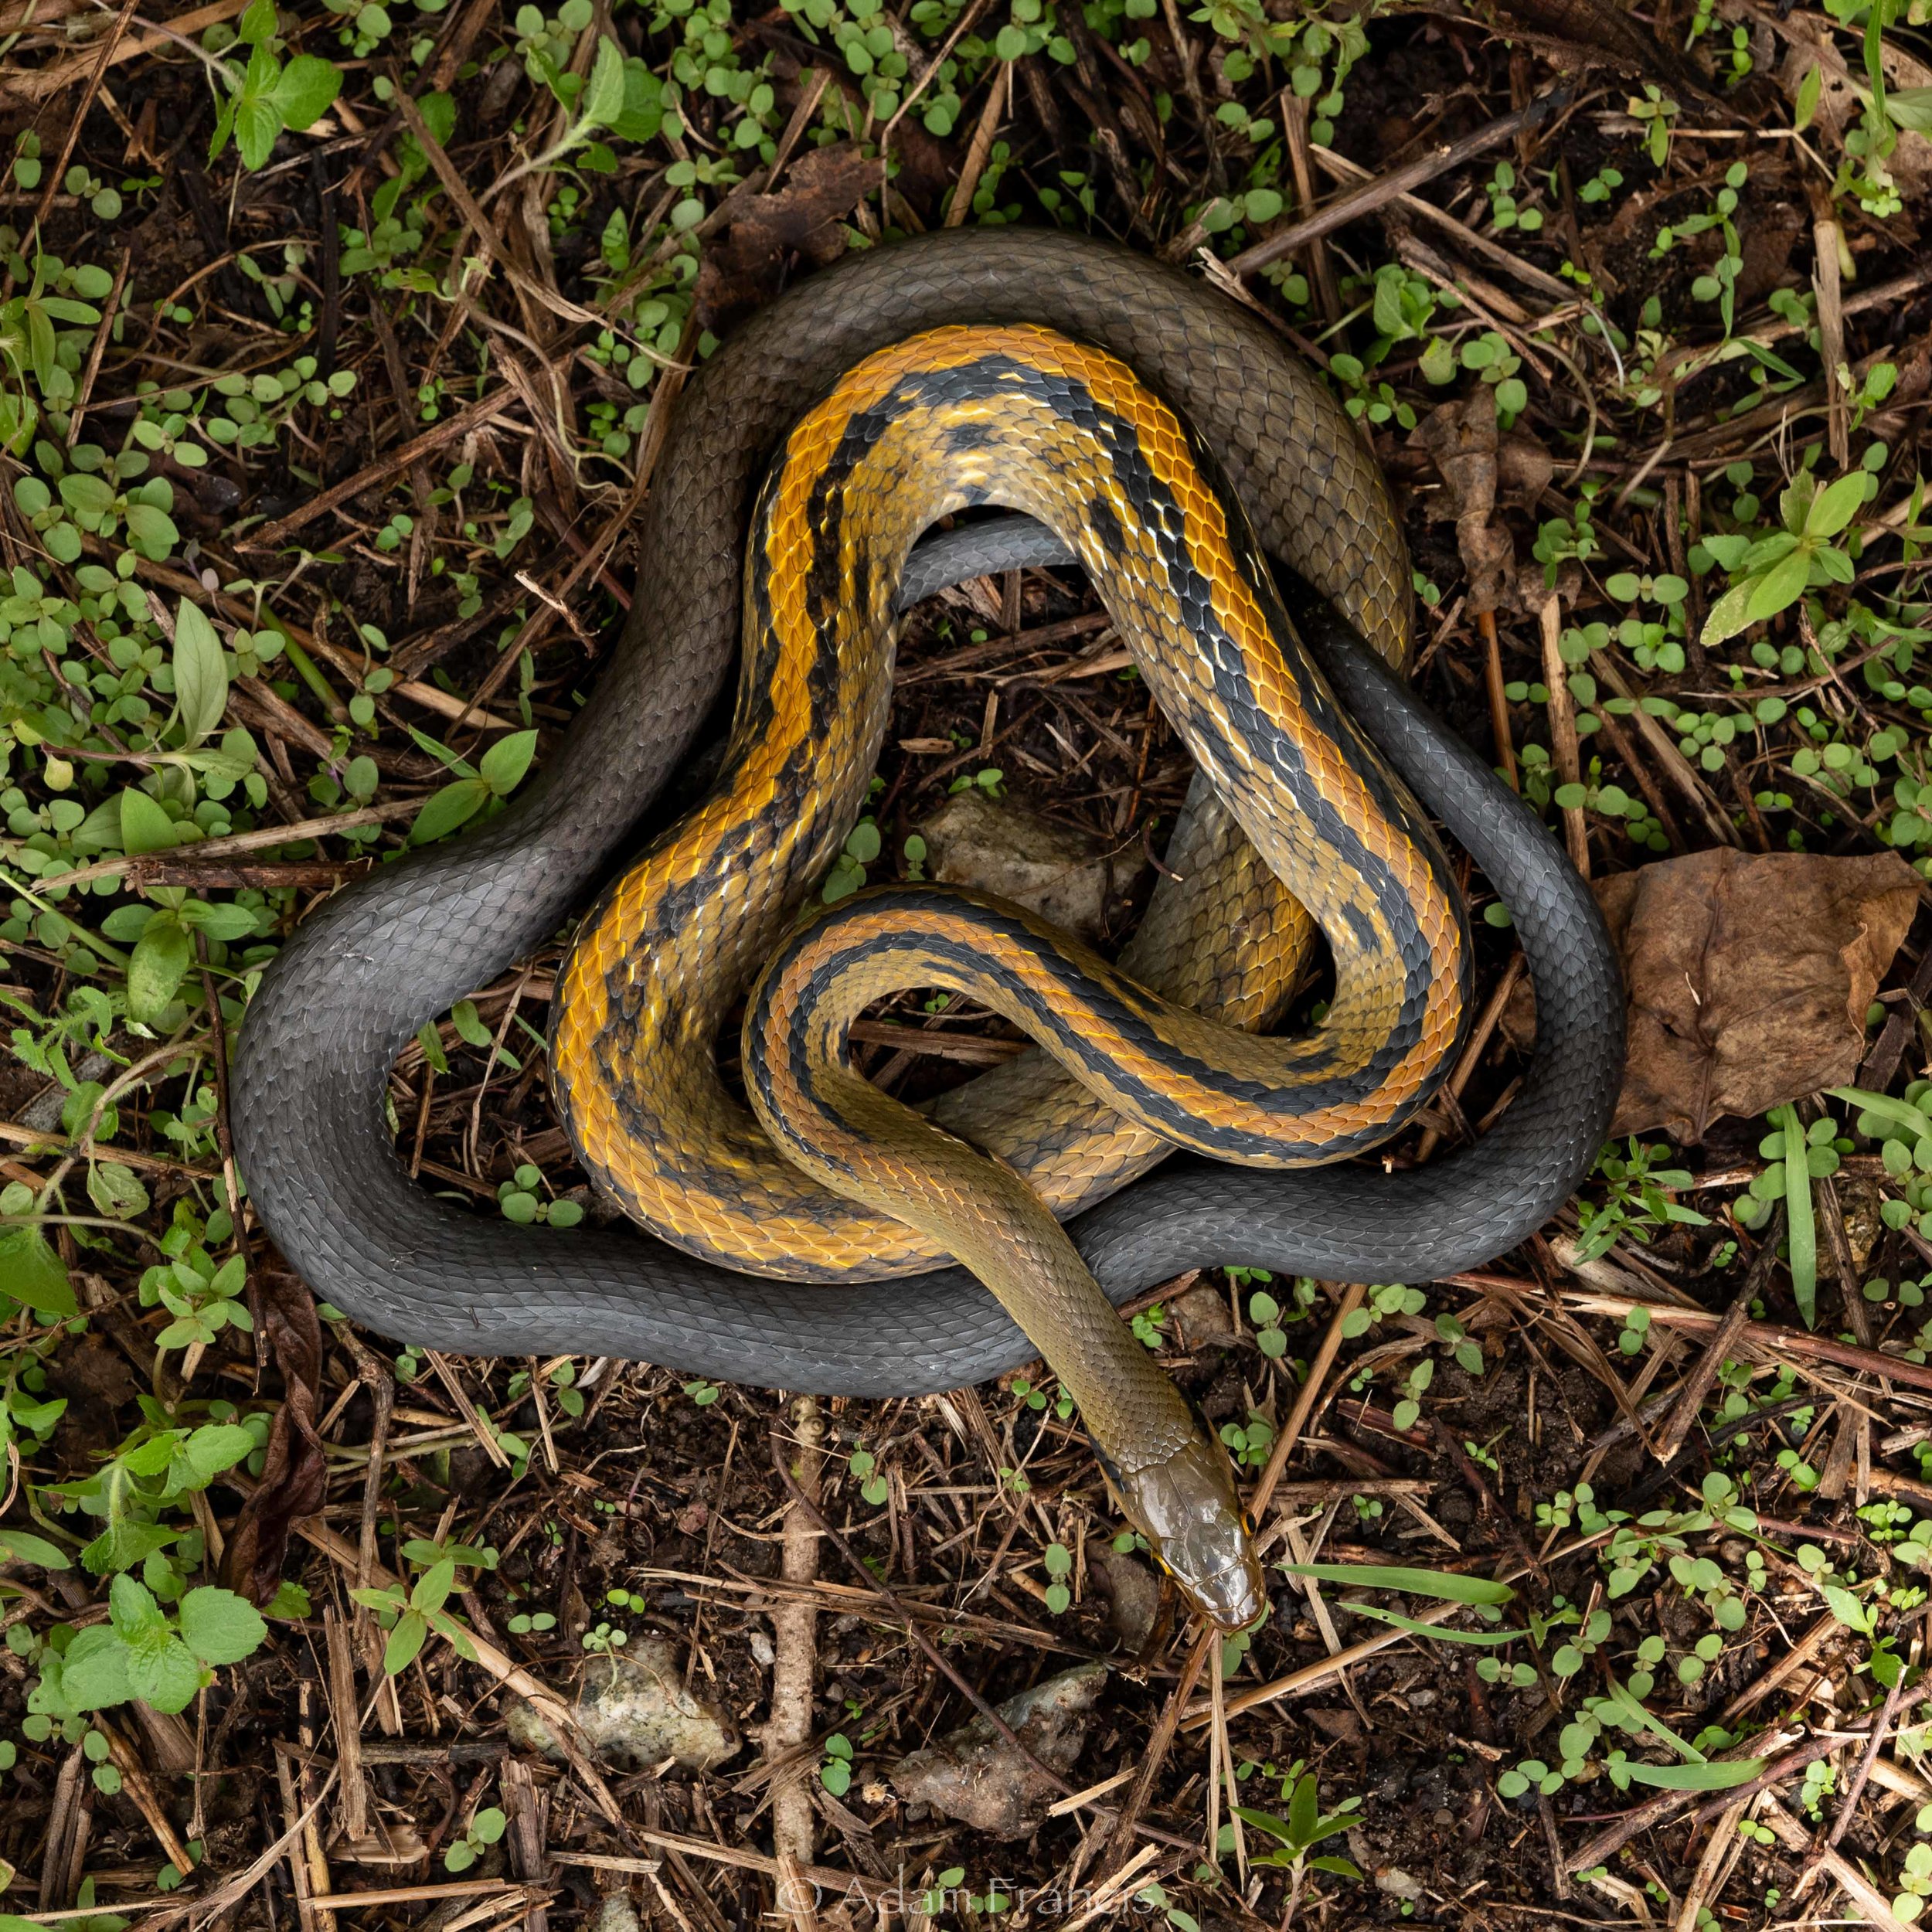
1187,1508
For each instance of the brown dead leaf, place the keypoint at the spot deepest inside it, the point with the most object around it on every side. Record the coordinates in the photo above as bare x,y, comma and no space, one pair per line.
1524,469
294,1479
1601,28
1482,469
1461,437
1748,975
743,266
1809,43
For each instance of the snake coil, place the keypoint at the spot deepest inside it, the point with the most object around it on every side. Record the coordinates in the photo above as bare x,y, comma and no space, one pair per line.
360,977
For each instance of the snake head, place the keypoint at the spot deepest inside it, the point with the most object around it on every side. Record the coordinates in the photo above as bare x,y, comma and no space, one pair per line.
1186,1508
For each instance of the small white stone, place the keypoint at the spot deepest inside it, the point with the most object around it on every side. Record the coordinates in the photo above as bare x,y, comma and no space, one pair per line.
633,1711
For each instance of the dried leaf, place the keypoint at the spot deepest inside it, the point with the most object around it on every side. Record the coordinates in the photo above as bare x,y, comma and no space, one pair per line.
294,1478
1482,469
1602,29
744,266
1461,437
1749,976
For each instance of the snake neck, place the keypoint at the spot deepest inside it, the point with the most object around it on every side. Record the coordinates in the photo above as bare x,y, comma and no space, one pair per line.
1173,1482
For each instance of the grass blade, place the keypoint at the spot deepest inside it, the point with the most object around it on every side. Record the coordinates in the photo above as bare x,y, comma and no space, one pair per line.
1435,1629
1442,1583
1718,1775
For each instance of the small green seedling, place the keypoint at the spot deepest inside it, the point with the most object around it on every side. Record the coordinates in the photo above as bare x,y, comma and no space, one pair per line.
484,1829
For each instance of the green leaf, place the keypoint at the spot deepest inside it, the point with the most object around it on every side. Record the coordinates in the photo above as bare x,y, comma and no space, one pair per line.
1909,107
201,675
1416,1583
1915,1123
162,1672
31,1274
257,24
306,90
132,1608
405,1642
115,1191
504,764
1806,105
16,1546
1264,1821
434,1586
1718,1775
122,1544
86,495
160,961
643,112
257,122
151,530
1848,1609
1836,505
214,1447
603,96
1800,1227
1410,1624
1303,1809
457,803
220,1627
224,127
1730,613
441,1621
1780,586
94,1673
144,827
439,116
290,1602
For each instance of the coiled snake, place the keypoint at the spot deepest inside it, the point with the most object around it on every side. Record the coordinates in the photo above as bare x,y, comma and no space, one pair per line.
1147,430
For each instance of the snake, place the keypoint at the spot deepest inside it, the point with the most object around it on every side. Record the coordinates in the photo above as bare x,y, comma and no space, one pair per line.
1257,467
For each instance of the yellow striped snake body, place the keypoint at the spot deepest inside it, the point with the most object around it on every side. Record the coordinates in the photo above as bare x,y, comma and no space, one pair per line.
831,1171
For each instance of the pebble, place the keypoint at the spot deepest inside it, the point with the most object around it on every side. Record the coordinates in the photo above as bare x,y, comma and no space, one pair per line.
975,1776
634,1711
615,1914
1001,848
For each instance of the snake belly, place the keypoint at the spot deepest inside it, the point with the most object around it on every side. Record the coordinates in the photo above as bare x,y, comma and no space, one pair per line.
354,984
